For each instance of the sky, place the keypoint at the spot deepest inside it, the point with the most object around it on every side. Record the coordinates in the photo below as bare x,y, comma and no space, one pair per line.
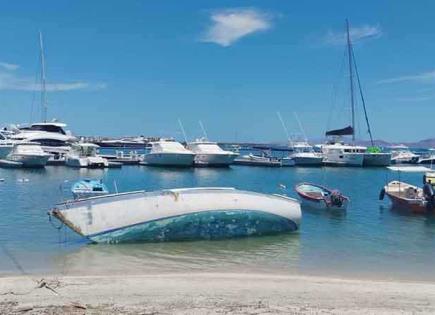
119,68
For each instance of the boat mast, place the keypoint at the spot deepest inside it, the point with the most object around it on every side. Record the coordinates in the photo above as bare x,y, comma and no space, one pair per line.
363,100
352,101
43,89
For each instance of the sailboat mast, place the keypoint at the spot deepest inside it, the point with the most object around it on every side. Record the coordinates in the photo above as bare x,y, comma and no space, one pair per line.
352,101
43,89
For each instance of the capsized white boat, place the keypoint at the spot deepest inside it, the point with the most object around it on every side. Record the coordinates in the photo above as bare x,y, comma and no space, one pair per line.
179,214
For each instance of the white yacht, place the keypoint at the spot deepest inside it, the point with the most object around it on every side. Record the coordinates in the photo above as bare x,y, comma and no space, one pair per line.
50,135
169,153
208,153
29,154
85,155
428,158
336,153
304,155
401,154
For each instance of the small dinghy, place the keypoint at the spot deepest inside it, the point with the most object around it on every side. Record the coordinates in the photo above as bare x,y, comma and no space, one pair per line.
87,188
179,214
319,197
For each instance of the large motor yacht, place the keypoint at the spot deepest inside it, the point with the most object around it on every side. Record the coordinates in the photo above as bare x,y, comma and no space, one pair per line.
209,153
304,155
169,153
50,135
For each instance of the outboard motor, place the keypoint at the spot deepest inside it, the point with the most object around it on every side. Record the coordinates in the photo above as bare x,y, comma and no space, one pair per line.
382,194
336,199
429,195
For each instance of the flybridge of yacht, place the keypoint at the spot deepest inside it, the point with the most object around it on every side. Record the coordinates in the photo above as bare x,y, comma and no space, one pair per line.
47,127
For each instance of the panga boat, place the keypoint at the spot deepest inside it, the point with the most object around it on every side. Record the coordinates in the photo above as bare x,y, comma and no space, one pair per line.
86,188
179,214
410,197
319,197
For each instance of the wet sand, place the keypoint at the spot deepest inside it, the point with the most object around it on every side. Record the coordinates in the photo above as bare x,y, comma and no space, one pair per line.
212,293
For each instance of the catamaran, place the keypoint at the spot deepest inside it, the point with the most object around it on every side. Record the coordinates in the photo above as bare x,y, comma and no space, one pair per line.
338,153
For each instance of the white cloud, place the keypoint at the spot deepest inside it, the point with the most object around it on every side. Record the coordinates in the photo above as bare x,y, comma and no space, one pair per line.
230,25
10,81
9,66
356,34
425,77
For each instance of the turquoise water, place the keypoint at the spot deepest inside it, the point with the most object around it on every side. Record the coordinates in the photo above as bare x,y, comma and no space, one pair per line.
369,240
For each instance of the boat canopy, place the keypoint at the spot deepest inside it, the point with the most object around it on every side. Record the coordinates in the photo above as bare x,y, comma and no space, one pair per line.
347,131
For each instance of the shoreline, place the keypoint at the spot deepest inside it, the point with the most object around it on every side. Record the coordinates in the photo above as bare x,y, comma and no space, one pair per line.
200,293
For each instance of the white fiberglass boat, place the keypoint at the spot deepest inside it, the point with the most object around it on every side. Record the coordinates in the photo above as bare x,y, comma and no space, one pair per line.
169,153
403,155
179,214
208,153
428,158
304,155
339,154
29,154
85,155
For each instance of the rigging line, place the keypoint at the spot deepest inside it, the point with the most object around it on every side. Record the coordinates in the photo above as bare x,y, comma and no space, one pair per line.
335,88
285,128
363,100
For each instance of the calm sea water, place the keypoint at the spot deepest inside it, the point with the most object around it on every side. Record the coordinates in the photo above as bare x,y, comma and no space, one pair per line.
369,240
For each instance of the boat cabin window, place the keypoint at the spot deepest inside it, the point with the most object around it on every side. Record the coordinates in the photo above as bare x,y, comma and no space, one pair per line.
47,128
50,142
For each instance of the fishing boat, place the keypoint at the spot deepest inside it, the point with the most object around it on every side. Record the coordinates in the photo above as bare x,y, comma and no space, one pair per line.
85,155
87,188
179,214
258,160
320,197
410,197
209,153
168,153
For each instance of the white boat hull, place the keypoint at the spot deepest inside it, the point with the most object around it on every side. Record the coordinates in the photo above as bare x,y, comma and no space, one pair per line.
344,159
180,214
307,160
29,160
86,162
169,159
215,159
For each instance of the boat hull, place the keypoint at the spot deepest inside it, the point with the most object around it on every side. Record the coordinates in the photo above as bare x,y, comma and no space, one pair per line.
377,159
315,200
307,160
30,160
169,159
177,215
215,159
88,162
344,160
398,193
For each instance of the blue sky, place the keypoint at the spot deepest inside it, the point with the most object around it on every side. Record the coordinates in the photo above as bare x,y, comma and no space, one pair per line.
135,67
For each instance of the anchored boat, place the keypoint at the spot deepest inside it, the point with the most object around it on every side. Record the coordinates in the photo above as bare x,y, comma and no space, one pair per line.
86,188
179,214
320,197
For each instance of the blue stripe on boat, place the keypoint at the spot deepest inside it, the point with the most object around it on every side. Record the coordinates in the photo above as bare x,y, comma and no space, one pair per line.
208,225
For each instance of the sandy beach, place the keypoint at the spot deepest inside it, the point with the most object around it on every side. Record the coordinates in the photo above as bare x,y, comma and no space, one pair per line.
211,293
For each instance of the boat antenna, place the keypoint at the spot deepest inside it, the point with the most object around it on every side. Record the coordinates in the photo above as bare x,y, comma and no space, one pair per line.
284,127
43,87
203,130
301,127
352,101
182,129
362,99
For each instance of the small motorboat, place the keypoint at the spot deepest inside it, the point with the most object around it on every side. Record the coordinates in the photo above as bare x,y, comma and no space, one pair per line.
258,160
179,214
410,197
87,188
320,197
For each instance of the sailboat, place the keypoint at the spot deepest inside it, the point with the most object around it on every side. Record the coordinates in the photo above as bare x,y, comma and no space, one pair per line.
338,153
